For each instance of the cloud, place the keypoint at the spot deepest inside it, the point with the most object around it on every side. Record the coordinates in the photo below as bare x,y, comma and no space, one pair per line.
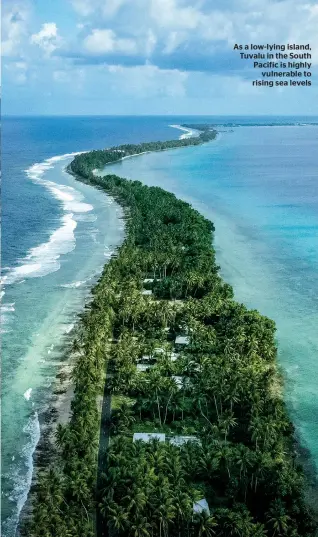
17,72
14,28
83,7
73,78
171,14
148,81
177,54
106,8
100,42
195,35
47,38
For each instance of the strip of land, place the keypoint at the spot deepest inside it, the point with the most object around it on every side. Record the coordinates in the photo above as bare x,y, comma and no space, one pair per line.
193,438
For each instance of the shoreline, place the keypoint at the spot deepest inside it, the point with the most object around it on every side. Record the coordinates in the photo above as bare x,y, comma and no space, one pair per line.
189,133
57,409
94,174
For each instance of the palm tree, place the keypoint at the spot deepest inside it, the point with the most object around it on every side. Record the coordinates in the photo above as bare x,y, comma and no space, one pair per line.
62,436
165,514
116,515
206,524
277,518
140,527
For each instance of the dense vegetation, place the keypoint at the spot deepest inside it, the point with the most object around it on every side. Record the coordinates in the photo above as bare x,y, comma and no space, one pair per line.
83,166
221,389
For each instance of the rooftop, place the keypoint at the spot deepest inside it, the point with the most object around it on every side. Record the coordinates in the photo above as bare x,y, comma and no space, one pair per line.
146,357
182,340
143,367
200,506
147,437
178,380
180,440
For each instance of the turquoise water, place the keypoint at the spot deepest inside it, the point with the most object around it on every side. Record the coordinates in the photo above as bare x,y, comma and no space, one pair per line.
259,185
43,294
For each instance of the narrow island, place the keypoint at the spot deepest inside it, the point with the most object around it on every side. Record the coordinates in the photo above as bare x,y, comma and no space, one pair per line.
192,437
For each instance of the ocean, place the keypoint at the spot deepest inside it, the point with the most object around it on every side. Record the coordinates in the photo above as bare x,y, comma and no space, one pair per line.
257,183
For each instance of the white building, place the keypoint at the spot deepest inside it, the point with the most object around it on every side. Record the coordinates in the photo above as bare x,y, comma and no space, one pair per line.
182,340
143,367
200,506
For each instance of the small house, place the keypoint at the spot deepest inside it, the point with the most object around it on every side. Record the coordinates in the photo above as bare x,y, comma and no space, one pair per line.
182,340
147,437
200,506
143,367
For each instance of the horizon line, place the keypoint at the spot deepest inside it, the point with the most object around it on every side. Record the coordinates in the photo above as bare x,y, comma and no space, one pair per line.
155,115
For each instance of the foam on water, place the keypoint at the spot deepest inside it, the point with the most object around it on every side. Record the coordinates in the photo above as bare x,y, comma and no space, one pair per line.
69,328
8,307
70,198
5,311
27,394
45,258
74,285
108,252
21,475
188,133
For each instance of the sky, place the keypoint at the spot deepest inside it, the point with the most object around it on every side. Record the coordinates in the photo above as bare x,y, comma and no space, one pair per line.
105,57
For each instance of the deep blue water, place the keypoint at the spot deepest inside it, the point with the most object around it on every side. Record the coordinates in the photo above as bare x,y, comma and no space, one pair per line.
258,184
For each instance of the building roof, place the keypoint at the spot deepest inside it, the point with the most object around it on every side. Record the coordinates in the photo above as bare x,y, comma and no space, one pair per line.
180,440
143,367
200,506
147,292
147,437
159,350
182,340
178,380
174,356
148,280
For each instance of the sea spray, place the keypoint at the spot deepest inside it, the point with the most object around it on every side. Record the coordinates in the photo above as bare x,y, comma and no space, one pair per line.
21,475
